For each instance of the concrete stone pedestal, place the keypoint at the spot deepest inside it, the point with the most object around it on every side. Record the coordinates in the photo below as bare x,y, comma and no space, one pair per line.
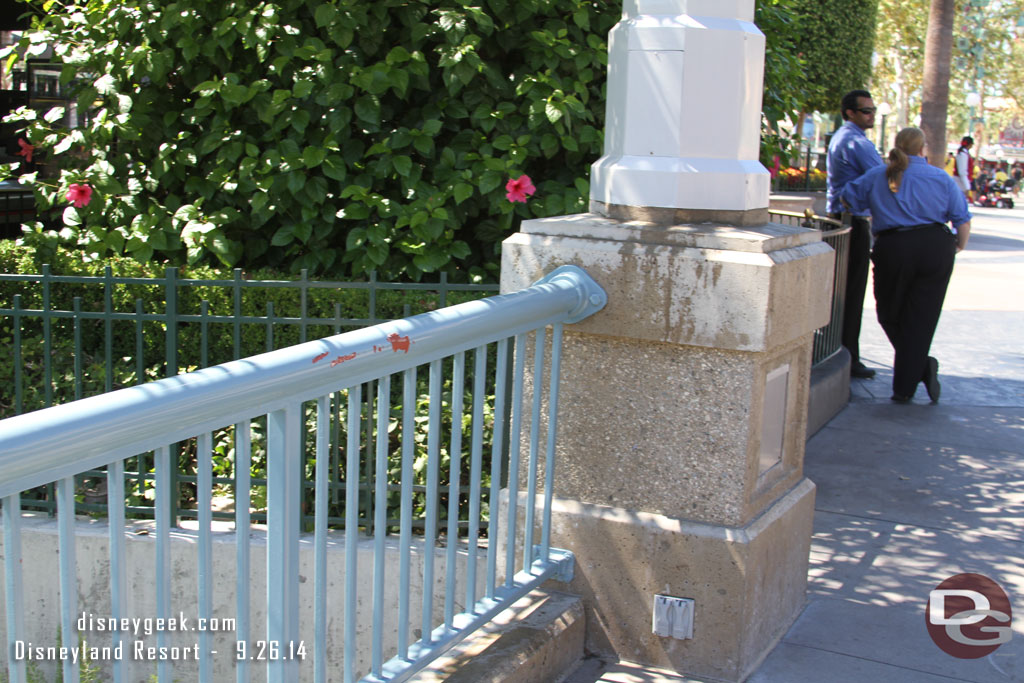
682,419
748,583
683,403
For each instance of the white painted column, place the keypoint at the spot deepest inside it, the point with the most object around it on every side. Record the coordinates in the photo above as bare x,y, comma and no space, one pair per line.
678,134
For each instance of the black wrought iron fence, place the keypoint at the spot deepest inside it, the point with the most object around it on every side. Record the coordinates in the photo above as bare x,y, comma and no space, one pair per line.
827,339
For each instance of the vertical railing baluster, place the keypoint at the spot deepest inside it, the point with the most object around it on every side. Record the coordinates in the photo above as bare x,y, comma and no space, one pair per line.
380,524
405,524
171,323
515,452
335,420
162,505
108,328
77,324
497,439
476,471
454,472
373,298
236,297
243,456
47,340
352,527
539,340
204,505
336,451
549,462
140,365
16,322
140,471
322,498
68,574
118,568
284,500
13,590
430,522
270,326
204,353
303,303
173,484
171,360
367,499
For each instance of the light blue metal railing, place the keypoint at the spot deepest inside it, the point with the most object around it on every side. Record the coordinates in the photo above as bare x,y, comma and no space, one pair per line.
54,444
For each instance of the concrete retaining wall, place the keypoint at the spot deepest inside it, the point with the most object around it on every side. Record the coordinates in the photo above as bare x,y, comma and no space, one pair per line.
41,596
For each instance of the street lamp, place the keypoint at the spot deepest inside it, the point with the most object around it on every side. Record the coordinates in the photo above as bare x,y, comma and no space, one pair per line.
884,109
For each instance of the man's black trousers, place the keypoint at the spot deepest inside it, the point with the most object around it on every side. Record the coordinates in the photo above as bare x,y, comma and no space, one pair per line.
856,284
912,271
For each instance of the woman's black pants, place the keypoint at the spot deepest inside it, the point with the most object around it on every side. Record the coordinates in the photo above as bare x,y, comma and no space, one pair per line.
912,270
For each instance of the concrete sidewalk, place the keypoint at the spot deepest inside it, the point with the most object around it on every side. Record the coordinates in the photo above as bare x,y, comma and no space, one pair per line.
909,495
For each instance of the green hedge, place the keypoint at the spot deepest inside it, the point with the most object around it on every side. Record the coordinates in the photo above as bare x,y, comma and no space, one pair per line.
836,38
339,137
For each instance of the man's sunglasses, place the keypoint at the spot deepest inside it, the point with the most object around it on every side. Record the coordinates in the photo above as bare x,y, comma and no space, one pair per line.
867,110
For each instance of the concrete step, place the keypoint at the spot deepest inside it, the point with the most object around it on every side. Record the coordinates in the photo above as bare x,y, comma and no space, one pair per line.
537,640
595,670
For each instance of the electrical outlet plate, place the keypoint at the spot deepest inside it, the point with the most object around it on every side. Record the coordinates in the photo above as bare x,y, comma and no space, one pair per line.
673,617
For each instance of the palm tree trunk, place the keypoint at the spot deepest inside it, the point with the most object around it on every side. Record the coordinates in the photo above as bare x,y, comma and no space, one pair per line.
938,53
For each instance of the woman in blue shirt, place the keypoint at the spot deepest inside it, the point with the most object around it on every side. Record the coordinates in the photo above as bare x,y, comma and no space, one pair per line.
912,205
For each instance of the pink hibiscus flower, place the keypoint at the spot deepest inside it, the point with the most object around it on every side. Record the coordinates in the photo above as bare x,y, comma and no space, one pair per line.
79,194
518,189
26,150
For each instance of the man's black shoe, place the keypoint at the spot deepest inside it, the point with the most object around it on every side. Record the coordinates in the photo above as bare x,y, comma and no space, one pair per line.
899,398
931,380
861,371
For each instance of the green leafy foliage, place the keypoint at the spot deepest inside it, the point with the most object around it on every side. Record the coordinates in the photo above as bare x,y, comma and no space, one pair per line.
836,38
339,137
787,89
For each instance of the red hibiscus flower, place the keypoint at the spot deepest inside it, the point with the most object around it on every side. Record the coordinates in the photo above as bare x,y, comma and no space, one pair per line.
79,194
519,189
26,150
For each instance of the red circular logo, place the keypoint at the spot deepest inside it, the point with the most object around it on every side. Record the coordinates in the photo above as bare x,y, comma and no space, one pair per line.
968,616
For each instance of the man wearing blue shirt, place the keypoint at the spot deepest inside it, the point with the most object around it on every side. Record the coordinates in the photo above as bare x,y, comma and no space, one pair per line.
912,205
850,155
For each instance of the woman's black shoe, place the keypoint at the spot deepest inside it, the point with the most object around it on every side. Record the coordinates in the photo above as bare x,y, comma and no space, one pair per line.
899,398
931,380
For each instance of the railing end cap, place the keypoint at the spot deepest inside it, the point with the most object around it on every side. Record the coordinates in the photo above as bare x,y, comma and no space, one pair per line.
592,297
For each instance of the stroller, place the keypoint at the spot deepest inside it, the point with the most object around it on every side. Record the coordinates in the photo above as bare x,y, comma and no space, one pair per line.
995,193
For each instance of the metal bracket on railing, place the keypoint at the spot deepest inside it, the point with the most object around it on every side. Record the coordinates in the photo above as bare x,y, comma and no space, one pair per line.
562,561
593,298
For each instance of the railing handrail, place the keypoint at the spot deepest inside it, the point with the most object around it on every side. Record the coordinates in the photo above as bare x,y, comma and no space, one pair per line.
147,416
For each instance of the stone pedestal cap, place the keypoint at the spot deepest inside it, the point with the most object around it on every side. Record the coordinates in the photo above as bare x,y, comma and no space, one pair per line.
725,287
